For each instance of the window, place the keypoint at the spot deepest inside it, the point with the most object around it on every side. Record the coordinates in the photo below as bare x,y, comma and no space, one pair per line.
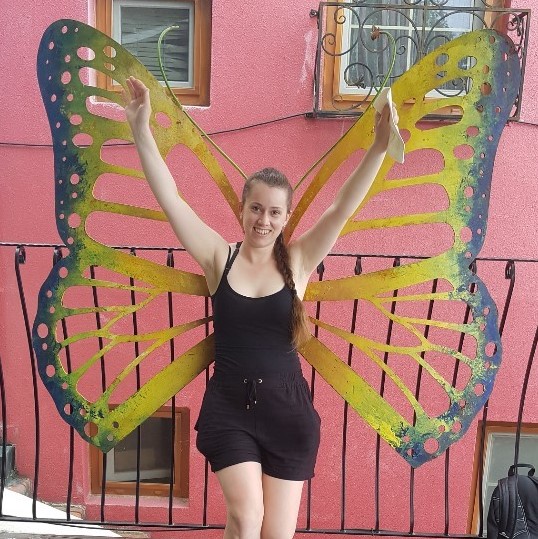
137,25
156,451
498,457
350,65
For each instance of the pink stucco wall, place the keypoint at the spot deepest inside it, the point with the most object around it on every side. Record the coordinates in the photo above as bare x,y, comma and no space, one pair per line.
262,67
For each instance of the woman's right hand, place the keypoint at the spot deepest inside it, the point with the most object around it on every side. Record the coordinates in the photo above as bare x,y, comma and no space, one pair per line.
137,104
382,128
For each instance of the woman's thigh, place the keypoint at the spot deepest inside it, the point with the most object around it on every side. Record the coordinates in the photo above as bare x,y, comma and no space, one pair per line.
242,488
281,501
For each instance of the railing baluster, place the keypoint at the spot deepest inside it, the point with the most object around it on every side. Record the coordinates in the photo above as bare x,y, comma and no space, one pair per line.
357,271
523,396
509,273
138,383
466,316
417,394
57,256
320,271
170,264
103,388
395,264
20,258
3,410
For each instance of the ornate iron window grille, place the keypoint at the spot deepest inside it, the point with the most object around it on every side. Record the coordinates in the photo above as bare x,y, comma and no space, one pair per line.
418,27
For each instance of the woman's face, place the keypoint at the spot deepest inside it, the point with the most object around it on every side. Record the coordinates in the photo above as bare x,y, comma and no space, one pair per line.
264,213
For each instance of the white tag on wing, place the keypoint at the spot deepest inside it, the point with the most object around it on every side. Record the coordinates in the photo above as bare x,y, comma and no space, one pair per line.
396,147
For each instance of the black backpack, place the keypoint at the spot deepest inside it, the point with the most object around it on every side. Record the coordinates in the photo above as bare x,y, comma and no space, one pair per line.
513,510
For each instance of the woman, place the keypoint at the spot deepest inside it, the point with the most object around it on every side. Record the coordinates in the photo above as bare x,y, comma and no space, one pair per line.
257,425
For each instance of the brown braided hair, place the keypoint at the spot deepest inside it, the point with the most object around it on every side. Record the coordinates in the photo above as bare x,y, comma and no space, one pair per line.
299,319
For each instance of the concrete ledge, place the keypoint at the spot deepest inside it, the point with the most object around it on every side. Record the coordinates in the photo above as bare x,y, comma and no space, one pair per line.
16,505
10,535
21,485
76,511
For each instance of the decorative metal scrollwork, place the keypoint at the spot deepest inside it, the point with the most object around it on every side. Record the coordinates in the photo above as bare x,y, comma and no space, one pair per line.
356,65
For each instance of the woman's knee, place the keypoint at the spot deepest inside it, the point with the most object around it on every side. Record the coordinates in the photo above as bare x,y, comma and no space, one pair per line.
277,534
277,530
245,521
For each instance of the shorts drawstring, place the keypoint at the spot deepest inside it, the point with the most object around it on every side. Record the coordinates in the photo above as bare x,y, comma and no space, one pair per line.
251,382
251,397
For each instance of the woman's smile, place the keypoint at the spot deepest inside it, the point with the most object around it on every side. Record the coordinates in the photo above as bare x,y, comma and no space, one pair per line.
265,211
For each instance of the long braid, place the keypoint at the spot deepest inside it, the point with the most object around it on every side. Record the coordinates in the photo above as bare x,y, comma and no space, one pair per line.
299,320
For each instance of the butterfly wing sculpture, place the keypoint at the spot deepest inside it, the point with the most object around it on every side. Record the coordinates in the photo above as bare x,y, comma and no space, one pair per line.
68,53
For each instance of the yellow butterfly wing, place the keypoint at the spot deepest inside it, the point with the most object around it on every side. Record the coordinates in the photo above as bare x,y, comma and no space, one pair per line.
465,151
125,286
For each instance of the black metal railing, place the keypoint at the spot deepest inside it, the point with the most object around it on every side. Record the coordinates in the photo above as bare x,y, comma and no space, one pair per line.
497,272
417,27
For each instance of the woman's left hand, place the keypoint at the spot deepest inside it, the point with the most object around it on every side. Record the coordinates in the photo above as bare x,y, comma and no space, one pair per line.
383,127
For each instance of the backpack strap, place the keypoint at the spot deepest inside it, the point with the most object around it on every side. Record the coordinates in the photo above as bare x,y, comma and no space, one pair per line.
508,500
507,506
512,469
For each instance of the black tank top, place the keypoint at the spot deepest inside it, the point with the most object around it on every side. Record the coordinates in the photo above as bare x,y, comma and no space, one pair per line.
252,335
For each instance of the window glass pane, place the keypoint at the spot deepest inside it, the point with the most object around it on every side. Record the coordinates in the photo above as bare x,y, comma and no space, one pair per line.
439,21
416,31
140,28
155,447
386,18
381,16
368,68
501,457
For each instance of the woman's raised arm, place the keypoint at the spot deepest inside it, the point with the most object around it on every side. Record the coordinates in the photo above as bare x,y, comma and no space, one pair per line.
312,247
200,241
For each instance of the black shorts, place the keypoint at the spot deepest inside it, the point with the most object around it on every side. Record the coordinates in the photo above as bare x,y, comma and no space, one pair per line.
270,420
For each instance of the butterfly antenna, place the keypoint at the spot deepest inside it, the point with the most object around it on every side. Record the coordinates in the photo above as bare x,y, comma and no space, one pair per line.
203,133
376,32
